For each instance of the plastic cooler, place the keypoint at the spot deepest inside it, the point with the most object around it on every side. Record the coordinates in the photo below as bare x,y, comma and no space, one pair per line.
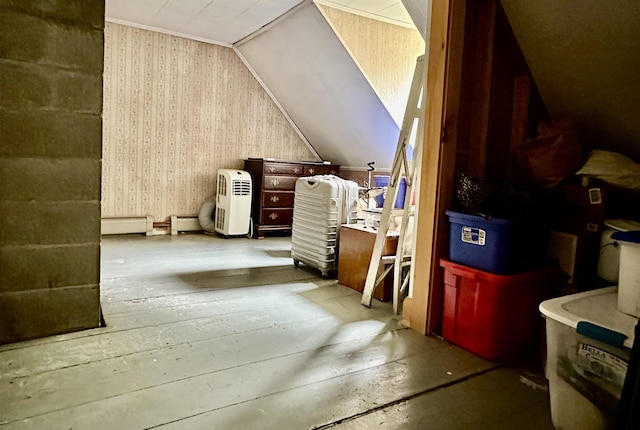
497,245
493,316
629,272
588,347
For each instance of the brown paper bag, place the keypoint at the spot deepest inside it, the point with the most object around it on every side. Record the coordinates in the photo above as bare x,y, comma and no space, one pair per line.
549,158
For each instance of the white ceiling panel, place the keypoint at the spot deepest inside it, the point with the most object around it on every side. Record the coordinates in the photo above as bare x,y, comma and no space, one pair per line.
395,11
391,11
371,5
228,21
123,9
218,21
417,9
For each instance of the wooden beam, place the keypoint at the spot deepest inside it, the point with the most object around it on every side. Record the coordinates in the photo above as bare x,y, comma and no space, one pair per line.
485,17
520,116
422,310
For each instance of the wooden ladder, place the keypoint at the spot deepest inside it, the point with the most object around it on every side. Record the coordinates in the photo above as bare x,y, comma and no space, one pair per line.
401,166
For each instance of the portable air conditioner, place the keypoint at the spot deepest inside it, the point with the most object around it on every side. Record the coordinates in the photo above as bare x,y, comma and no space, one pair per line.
233,202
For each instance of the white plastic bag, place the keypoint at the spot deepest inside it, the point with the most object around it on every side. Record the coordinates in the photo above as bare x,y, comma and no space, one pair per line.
612,168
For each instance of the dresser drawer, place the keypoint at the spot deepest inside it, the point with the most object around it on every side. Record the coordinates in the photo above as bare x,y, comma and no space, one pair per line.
272,182
277,199
280,216
283,169
319,170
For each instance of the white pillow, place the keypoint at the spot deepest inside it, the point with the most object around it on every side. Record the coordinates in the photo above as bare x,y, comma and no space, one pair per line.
612,168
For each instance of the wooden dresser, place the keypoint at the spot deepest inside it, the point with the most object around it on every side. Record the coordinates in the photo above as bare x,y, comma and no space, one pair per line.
273,184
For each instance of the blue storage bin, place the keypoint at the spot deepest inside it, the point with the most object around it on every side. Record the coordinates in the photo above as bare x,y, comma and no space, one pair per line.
383,181
496,245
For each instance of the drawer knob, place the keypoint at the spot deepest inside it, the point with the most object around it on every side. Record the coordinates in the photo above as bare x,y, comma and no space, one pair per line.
275,199
272,169
296,170
275,182
312,170
273,215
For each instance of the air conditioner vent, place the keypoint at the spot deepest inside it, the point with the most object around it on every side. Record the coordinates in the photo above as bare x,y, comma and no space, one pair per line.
222,185
220,217
241,188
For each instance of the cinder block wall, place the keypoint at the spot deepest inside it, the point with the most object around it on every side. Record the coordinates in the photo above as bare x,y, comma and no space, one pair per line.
51,61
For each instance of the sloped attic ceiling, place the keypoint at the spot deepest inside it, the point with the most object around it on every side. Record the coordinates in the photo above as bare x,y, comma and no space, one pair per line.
295,54
222,22
417,9
304,65
391,11
225,22
585,58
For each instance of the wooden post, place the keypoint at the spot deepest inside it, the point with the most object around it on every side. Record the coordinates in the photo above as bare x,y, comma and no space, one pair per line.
520,116
422,310
485,18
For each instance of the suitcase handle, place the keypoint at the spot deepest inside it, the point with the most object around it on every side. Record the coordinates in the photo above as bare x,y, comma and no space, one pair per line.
311,183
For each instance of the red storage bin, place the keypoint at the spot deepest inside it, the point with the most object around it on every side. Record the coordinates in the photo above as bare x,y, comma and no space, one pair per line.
493,316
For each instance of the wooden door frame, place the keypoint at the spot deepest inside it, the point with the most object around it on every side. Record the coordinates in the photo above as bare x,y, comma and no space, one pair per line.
422,310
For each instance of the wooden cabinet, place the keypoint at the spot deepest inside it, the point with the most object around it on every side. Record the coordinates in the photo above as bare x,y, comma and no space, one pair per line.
354,254
273,184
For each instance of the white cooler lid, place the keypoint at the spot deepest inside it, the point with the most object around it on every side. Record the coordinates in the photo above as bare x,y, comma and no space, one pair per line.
622,224
598,307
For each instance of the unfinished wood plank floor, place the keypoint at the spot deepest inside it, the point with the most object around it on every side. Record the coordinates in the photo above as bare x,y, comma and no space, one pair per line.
211,333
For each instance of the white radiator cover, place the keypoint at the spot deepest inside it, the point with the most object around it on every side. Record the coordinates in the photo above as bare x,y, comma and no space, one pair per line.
127,225
184,223
144,225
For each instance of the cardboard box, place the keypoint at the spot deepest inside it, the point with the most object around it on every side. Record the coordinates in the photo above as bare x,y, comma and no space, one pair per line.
354,255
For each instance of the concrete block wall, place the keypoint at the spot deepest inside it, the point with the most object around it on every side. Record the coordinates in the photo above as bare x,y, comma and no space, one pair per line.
51,62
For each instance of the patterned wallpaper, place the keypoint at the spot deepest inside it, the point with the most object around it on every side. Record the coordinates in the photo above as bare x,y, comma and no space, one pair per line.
175,111
385,52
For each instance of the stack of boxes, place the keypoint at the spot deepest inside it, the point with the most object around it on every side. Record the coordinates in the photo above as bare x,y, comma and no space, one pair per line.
584,219
495,278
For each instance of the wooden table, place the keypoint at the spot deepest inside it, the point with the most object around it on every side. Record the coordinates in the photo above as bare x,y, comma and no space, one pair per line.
354,254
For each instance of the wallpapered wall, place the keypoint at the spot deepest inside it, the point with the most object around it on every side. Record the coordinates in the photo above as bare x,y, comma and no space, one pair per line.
175,111
385,52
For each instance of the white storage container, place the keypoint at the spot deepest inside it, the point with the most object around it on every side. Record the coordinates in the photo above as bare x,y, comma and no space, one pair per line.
629,272
588,347
321,204
609,258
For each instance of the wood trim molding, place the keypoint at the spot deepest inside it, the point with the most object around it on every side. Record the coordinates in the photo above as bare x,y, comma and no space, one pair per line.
422,311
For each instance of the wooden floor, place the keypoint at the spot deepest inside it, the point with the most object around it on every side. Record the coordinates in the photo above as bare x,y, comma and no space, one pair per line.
211,333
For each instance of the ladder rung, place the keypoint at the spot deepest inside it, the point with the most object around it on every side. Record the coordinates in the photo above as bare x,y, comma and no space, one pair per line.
398,212
382,275
388,259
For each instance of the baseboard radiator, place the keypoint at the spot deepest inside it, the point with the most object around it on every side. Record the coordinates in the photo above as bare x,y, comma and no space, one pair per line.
127,225
145,225
184,223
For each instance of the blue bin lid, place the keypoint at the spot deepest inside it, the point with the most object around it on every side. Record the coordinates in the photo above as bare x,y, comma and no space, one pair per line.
458,217
626,236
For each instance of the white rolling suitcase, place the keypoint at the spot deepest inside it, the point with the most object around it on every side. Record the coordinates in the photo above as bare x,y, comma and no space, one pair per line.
321,204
